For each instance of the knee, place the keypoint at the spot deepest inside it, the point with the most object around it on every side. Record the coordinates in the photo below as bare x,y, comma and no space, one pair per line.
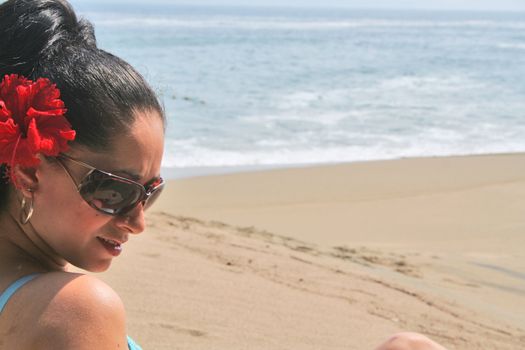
410,341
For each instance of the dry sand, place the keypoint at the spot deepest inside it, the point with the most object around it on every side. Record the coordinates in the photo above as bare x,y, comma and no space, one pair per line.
333,257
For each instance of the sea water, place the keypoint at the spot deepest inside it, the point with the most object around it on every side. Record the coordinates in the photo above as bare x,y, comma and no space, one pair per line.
274,86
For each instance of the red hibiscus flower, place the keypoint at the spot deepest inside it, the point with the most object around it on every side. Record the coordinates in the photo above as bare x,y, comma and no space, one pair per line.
32,121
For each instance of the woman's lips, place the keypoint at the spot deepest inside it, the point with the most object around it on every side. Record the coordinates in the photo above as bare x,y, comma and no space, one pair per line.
112,246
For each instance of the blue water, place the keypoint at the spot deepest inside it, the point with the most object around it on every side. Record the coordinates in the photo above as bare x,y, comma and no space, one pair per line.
256,87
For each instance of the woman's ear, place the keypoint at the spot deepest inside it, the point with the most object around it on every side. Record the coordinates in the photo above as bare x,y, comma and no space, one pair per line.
25,179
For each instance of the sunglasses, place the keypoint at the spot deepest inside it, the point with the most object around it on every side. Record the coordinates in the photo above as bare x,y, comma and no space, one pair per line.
112,194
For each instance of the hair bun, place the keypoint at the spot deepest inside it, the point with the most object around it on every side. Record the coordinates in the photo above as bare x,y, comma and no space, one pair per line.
36,30
86,32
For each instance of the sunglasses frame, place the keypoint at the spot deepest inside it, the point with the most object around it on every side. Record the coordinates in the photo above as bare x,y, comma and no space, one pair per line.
145,191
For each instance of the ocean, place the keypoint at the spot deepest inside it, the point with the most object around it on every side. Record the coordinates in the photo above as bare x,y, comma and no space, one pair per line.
272,87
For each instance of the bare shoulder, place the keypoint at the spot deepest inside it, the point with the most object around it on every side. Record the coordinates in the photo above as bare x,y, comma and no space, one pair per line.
79,290
76,311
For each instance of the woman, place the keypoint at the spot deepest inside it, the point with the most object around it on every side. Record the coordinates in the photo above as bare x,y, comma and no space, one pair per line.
81,142
57,207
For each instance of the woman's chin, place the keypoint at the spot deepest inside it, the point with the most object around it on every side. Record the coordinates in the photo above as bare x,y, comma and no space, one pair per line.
98,266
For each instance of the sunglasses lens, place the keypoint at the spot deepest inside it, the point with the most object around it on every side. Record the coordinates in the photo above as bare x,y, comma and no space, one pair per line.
153,196
108,194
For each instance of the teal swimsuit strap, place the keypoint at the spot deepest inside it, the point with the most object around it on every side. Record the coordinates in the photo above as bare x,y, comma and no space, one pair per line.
132,345
4,298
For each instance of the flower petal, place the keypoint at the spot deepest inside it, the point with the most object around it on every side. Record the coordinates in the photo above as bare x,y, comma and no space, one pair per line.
49,134
32,121
9,132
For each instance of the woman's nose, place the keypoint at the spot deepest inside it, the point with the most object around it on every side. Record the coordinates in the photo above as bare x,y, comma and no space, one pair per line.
133,221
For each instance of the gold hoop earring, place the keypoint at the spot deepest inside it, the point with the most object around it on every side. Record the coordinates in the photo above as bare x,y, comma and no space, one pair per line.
24,217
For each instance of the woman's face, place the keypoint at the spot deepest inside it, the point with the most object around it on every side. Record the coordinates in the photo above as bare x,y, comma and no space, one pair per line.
72,229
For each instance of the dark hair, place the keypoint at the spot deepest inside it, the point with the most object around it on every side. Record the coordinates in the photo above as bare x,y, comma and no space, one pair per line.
44,38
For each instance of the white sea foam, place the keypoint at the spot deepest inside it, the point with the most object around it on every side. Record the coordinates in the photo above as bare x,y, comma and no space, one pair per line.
307,99
217,158
322,118
516,46
435,83
429,141
265,23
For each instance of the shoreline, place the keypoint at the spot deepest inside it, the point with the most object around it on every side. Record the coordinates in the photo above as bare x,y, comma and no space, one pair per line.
176,173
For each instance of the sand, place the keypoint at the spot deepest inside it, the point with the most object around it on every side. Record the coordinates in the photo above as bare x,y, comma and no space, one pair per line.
333,257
